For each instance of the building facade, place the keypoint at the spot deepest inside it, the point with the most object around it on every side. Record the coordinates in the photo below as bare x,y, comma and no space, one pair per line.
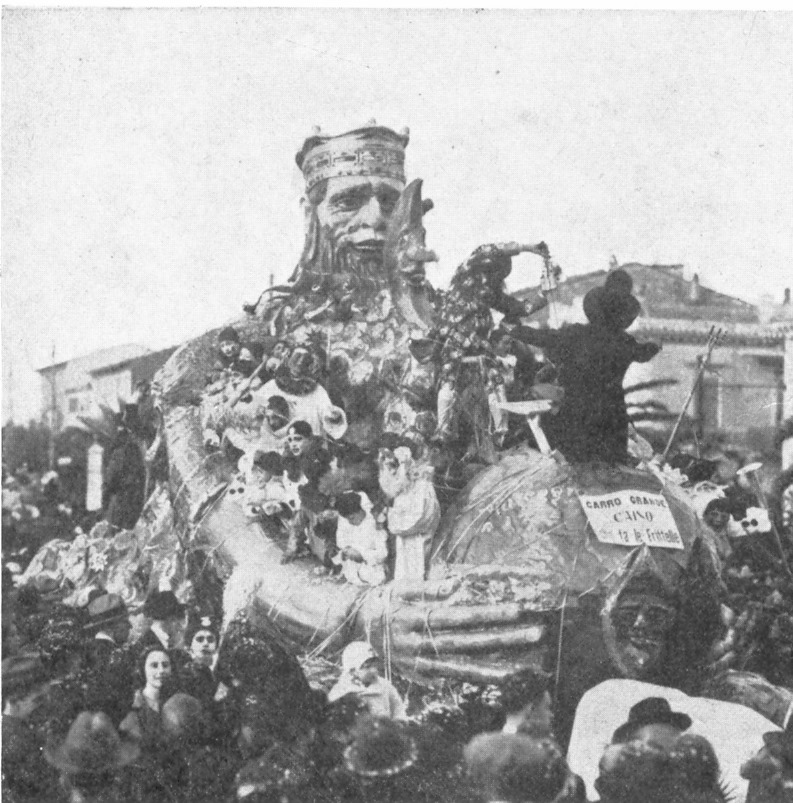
76,387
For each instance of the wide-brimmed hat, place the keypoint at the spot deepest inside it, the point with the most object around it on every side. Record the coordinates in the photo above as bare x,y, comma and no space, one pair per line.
92,746
613,304
651,711
163,605
380,747
104,609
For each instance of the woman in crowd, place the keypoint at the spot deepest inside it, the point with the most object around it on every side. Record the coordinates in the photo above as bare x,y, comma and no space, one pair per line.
155,676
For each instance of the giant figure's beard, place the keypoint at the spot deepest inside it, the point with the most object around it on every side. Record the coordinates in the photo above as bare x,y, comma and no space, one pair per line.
326,263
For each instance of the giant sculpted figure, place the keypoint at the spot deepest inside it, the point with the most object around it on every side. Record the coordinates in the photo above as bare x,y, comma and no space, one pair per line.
348,358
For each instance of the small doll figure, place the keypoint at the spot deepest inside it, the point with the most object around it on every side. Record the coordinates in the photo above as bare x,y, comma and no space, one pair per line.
265,495
446,398
415,512
360,676
362,545
496,395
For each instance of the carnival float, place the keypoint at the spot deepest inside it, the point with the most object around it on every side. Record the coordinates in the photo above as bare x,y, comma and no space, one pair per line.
578,566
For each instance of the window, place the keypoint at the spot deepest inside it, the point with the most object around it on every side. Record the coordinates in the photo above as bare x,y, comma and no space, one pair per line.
74,405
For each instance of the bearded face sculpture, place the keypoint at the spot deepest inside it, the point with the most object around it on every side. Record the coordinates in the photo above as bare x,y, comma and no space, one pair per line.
353,184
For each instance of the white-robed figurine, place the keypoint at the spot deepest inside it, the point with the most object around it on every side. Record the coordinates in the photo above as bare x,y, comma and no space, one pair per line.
362,546
414,514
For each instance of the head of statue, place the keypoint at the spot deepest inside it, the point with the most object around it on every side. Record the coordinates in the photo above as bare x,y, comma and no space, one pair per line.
352,184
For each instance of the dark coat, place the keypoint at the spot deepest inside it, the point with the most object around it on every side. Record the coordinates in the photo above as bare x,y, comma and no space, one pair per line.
592,422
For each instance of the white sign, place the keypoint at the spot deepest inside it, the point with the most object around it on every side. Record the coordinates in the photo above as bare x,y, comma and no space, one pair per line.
632,518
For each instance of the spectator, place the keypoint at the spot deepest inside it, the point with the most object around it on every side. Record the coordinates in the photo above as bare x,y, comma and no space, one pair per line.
514,768
167,615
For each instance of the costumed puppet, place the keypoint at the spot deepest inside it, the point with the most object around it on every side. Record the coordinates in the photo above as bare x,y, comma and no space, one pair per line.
592,359
461,342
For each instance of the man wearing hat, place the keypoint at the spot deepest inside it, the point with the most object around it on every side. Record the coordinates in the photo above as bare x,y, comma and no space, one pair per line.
167,615
110,660
652,720
770,772
109,621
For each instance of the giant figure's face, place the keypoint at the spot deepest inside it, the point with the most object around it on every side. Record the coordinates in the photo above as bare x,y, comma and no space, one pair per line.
355,211
642,622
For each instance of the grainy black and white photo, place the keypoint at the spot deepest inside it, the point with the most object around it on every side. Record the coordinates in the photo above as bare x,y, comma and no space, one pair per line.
397,405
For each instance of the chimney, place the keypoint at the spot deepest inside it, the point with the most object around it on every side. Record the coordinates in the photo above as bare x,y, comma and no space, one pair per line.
786,301
765,309
695,291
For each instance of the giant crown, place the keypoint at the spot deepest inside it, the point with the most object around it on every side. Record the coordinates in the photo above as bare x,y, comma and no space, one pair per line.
369,151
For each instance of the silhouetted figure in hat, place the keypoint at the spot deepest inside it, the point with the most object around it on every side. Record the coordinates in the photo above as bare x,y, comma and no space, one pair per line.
592,359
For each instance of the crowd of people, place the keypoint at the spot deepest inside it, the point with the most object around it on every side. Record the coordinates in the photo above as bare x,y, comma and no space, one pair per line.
103,706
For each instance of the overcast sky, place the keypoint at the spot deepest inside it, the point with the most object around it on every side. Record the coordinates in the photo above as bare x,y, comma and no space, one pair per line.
149,184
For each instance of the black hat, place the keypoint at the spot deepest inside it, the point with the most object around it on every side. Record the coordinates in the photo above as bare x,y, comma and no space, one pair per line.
163,605
612,305
229,333
650,711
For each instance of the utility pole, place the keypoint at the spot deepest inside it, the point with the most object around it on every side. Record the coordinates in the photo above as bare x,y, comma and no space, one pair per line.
53,413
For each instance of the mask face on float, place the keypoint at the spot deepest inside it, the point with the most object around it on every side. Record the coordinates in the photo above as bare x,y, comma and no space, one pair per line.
642,621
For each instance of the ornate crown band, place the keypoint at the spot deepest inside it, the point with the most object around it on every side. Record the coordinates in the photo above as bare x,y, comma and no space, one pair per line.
369,151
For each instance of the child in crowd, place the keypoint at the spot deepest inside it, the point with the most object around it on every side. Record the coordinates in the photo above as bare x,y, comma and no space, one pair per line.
363,548
360,676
